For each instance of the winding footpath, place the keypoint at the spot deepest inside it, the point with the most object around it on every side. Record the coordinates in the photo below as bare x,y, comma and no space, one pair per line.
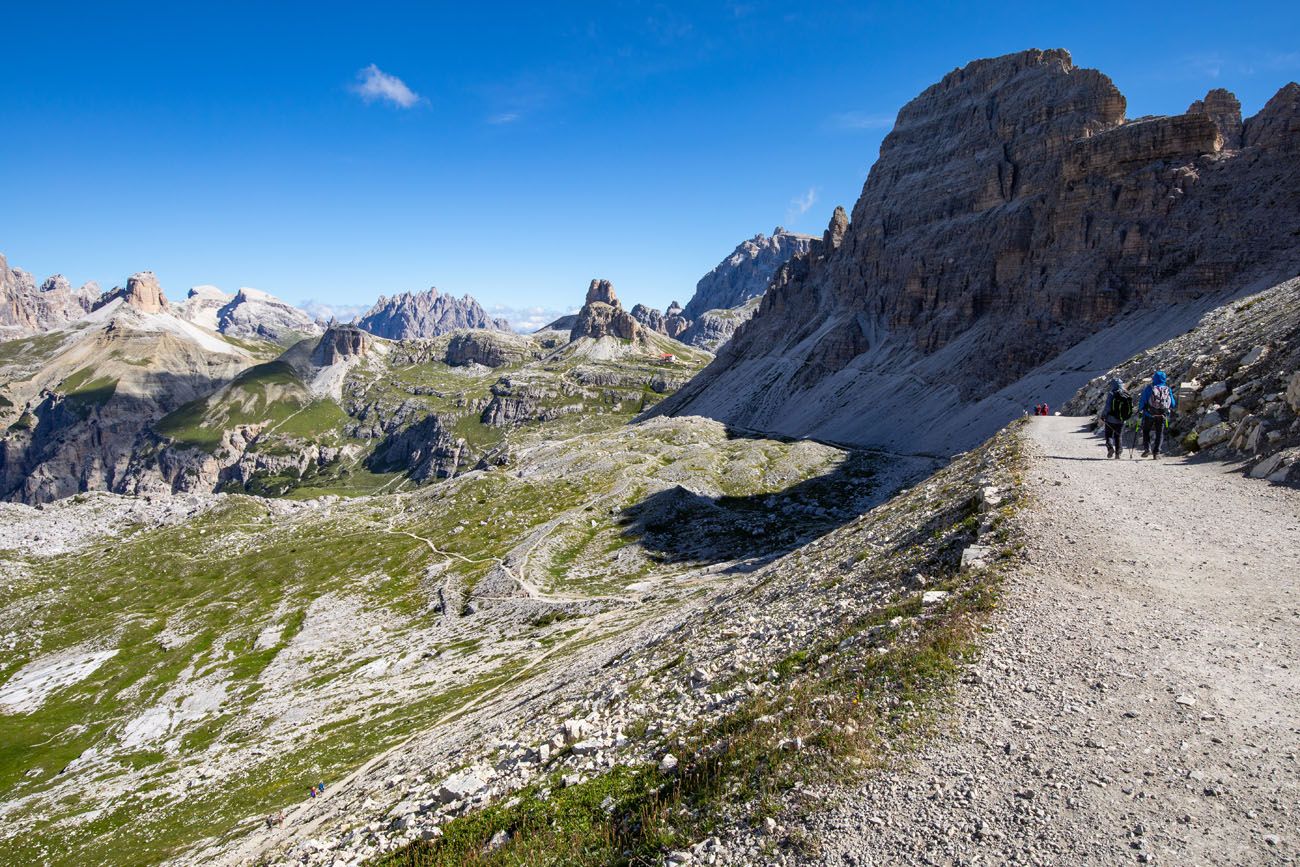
1138,698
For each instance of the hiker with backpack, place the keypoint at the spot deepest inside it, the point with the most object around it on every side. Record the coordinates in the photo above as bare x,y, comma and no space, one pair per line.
1118,410
1156,405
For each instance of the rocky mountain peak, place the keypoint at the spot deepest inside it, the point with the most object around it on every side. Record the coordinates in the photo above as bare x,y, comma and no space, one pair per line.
1224,109
56,283
671,322
1278,122
745,273
835,232
142,292
603,316
339,343
602,292
426,314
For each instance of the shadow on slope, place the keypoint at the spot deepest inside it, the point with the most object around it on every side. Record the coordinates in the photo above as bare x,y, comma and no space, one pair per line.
680,525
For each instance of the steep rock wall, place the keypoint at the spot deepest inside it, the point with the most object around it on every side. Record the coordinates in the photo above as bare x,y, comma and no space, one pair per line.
1015,237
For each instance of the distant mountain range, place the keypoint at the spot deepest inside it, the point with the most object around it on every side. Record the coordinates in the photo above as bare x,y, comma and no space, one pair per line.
722,300
426,314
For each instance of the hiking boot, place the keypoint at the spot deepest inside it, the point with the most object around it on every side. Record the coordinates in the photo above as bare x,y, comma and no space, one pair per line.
1110,452
1146,453
1156,456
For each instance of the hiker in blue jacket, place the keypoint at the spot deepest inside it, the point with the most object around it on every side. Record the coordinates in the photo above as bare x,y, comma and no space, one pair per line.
1156,405
1118,409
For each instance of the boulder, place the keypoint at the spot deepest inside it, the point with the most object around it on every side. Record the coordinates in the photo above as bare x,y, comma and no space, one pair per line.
1211,437
459,787
1215,391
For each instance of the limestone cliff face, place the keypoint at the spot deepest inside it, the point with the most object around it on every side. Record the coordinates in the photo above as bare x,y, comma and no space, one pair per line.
724,297
602,315
339,343
26,308
426,314
670,322
488,348
745,273
1013,214
142,293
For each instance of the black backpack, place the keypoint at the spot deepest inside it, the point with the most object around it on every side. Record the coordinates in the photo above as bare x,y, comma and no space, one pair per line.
1121,405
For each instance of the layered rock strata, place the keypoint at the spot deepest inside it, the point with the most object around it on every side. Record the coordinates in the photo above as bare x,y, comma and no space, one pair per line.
1015,236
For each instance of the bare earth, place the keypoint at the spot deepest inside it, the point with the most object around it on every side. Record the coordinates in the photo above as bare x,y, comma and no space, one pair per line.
1138,700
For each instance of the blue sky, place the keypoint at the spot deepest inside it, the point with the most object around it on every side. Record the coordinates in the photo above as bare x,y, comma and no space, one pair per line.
338,151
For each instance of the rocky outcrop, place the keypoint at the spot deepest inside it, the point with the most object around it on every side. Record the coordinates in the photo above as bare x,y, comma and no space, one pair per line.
488,348
1224,111
671,323
142,293
603,316
746,272
340,343
426,314
1015,236
425,450
1277,125
712,328
26,308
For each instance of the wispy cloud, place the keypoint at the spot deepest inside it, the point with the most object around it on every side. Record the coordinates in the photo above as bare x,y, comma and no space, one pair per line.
853,120
373,84
801,204
503,118
1206,65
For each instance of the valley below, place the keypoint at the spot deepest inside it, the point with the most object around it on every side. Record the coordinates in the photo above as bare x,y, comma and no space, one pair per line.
786,575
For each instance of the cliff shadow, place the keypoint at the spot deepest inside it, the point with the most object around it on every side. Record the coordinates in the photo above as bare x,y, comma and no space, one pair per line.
680,525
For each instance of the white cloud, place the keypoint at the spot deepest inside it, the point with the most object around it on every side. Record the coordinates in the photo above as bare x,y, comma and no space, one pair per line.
801,204
375,84
850,120
526,320
503,118
325,311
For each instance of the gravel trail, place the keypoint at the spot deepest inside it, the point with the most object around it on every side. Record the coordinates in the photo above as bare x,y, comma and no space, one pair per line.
1138,700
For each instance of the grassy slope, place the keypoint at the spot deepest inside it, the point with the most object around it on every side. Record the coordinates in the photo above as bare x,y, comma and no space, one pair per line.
413,375
187,603
858,696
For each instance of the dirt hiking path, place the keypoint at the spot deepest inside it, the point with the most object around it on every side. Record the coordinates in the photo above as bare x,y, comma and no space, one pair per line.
1138,700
